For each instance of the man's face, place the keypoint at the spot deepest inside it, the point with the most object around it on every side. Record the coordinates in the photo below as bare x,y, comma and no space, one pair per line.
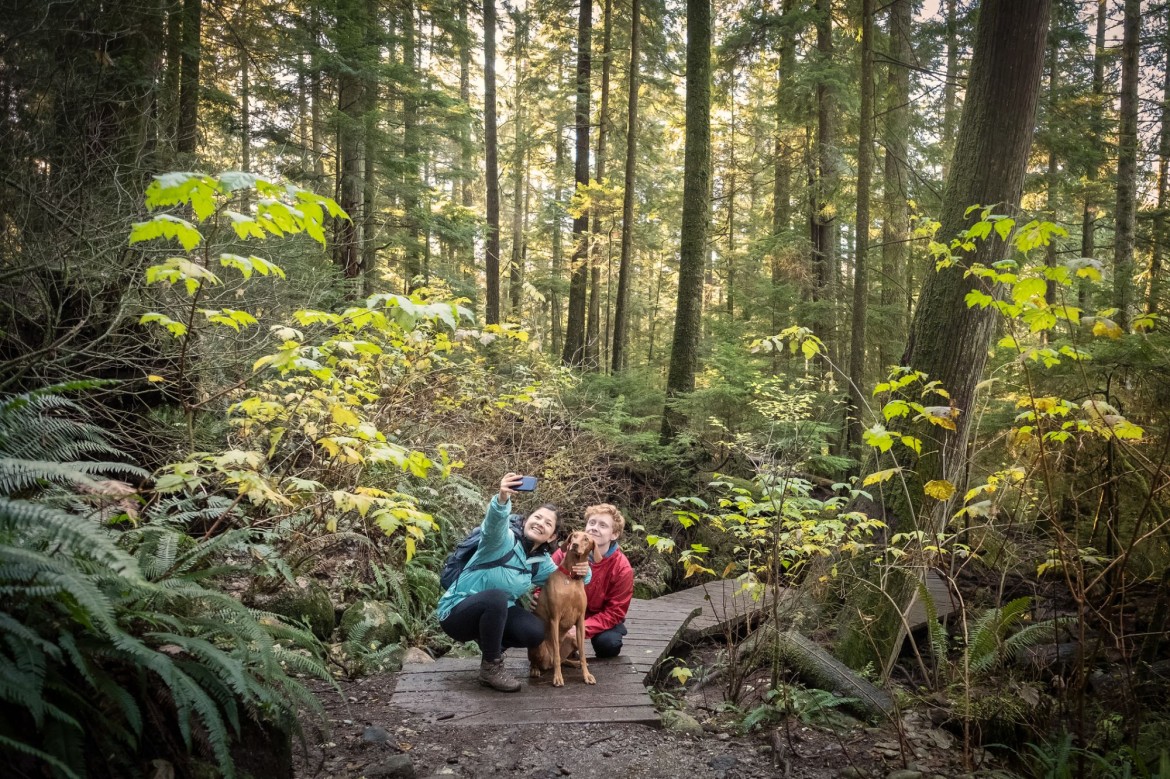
600,528
540,526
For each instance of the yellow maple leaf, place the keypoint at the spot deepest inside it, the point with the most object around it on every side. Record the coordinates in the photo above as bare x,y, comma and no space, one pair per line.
939,489
343,416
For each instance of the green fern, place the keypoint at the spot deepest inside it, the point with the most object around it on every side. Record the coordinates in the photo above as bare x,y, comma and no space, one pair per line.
990,643
365,656
936,633
101,629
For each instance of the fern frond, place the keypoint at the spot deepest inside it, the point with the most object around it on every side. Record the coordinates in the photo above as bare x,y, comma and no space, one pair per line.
989,631
23,748
203,550
53,528
1034,635
935,632
192,701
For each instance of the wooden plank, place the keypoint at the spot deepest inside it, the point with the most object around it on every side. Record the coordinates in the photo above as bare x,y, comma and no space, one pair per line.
466,682
574,694
646,715
940,593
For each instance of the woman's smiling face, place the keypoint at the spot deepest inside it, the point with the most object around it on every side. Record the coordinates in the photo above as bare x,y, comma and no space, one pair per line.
541,526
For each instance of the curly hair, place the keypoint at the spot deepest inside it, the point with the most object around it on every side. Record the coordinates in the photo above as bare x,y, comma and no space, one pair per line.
619,522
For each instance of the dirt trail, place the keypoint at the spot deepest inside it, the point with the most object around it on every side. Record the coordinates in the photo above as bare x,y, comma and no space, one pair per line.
369,738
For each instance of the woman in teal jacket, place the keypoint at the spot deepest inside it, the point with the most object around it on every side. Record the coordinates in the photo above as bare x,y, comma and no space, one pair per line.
481,605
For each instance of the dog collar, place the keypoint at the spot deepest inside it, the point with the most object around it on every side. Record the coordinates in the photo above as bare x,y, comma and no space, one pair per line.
567,571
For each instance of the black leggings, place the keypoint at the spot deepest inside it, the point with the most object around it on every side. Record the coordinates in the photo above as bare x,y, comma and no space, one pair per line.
486,619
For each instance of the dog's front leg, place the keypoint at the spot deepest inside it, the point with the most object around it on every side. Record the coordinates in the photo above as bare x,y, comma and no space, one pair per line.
554,627
581,649
536,660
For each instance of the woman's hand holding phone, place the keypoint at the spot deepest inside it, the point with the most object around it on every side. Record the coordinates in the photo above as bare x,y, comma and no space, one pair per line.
508,486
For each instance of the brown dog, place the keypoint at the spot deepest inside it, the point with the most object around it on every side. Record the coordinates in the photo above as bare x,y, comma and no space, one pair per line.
562,606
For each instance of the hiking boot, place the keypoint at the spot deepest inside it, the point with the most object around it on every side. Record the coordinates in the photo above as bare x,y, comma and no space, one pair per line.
494,675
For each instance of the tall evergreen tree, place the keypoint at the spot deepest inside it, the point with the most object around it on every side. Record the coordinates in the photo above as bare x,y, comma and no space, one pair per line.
696,216
491,156
823,218
861,250
187,129
625,264
574,353
1127,153
895,305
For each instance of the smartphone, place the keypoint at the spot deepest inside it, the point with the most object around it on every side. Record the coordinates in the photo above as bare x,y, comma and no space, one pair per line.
527,484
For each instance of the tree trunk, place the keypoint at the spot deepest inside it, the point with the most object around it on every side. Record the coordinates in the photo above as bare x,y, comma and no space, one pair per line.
1153,299
593,325
782,186
466,175
370,150
574,354
1096,132
350,99
315,94
554,296
412,249
245,103
519,172
173,74
187,131
730,195
1052,179
861,250
1127,149
492,260
950,108
896,176
696,216
625,264
948,341
822,219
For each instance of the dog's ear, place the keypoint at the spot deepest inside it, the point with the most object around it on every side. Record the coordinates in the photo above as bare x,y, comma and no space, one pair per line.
567,543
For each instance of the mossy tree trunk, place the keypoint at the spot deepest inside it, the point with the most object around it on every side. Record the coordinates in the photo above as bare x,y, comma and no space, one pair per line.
492,163
574,354
896,175
625,265
853,423
1159,248
948,341
1127,151
696,215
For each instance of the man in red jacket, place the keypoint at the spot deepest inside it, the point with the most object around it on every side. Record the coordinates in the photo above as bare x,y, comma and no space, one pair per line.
612,586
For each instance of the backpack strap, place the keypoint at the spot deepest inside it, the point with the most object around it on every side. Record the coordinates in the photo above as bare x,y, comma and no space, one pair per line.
502,561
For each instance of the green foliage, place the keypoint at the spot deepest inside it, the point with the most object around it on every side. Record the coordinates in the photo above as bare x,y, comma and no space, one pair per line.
1057,758
810,706
317,396
991,638
111,645
773,524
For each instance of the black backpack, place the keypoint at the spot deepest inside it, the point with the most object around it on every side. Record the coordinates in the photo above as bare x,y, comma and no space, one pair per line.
456,562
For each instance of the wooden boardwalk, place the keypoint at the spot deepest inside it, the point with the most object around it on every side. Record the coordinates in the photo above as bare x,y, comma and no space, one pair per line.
940,593
449,690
